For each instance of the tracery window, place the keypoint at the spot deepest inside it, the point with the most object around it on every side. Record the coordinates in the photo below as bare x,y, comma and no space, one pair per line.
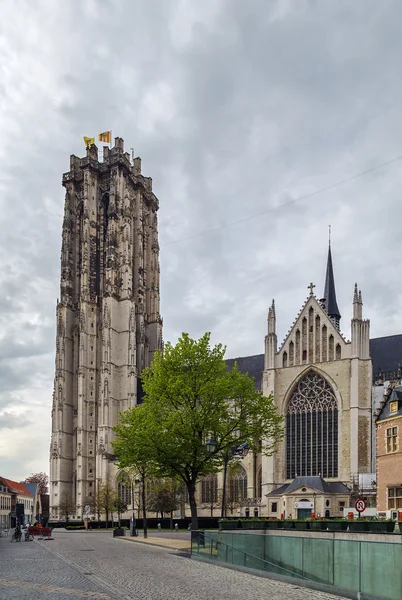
312,429
237,483
209,489
124,489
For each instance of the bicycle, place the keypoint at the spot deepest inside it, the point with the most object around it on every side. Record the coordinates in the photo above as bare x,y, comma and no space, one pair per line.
29,537
17,535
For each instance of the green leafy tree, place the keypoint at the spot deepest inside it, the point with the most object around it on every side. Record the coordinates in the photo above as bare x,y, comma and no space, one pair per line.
191,398
135,452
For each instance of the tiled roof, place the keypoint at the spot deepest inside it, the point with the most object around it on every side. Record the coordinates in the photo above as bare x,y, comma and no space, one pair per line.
15,487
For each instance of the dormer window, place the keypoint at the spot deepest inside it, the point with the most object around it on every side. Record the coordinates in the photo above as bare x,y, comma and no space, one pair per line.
393,406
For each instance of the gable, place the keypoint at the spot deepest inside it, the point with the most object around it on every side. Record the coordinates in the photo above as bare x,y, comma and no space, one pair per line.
313,338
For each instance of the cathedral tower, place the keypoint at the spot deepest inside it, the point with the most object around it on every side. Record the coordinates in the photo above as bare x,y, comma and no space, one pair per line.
108,319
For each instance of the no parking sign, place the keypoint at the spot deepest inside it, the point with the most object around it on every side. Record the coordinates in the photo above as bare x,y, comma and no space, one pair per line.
360,505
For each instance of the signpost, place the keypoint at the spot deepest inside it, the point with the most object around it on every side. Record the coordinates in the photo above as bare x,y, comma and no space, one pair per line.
360,505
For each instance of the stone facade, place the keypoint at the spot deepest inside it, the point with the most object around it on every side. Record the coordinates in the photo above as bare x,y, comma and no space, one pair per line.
307,496
108,315
314,345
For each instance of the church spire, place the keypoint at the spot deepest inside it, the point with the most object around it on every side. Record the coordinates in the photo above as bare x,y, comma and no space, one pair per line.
331,305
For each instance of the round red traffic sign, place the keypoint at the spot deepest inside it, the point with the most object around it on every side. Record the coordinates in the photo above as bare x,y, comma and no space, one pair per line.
360,505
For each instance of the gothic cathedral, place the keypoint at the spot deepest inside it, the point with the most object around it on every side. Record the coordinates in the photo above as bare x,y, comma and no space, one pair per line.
108,319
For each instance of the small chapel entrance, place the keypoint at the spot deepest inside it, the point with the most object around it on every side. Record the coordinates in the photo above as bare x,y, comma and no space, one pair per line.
304,508
303,513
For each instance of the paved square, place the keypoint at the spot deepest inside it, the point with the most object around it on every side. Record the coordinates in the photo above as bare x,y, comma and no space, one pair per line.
94,565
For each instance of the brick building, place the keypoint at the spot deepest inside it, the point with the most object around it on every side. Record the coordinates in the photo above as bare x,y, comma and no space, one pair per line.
21,501
389,452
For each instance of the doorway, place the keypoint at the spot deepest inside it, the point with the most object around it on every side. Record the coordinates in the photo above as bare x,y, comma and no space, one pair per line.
303,513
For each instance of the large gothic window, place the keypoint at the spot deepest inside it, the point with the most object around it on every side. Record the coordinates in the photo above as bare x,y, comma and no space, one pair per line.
237,488
209,489
124,489
312,429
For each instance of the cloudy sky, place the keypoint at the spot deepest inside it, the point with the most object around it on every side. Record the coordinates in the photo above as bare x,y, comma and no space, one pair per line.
261,123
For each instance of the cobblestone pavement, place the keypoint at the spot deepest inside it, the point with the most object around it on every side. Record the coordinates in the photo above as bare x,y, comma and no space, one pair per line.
94,565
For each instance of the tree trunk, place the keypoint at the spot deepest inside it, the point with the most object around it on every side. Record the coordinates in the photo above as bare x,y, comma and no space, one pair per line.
144,509
193,505
171,520
107,519
225,470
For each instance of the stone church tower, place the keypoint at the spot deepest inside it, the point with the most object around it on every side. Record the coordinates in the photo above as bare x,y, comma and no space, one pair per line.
321,383
108,319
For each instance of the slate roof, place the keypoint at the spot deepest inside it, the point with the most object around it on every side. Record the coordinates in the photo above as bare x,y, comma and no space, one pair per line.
385,413
315,483
331,305
253,365
386,354
31,487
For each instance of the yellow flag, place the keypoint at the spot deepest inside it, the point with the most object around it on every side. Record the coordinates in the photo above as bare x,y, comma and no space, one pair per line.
106,137
88,141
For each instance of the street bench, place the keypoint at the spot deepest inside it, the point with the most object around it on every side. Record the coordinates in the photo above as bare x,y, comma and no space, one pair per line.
43,532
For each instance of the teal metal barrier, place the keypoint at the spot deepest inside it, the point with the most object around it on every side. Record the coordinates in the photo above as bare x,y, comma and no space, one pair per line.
369,568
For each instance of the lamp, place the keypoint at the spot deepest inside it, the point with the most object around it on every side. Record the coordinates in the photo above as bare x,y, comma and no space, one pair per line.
211,445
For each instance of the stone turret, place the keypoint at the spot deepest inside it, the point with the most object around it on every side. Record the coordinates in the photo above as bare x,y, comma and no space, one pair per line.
271,340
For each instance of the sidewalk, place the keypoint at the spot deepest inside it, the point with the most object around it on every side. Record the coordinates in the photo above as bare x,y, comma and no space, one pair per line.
174,544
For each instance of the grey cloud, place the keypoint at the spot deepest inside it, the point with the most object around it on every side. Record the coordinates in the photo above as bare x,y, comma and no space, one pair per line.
13,421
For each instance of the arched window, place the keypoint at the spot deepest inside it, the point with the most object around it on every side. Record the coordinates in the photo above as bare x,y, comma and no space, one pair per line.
312,429
237,483
209,489
124,489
